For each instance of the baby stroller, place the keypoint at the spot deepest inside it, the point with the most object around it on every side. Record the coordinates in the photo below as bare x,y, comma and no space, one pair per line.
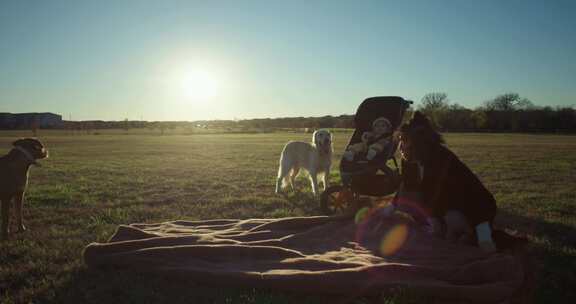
362,175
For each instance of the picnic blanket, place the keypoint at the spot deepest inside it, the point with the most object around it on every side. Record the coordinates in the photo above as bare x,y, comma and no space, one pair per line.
318,254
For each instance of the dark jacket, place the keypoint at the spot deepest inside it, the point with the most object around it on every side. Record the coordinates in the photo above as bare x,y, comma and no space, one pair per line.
448,184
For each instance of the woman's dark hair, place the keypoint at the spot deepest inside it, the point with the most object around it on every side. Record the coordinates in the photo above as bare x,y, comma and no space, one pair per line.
422,135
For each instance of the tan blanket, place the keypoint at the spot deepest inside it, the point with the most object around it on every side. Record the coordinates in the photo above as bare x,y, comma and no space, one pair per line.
319,254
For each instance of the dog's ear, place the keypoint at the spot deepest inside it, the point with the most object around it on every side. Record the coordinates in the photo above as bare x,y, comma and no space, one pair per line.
19,142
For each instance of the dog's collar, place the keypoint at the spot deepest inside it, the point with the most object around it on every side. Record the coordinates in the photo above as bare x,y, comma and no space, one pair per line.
27,155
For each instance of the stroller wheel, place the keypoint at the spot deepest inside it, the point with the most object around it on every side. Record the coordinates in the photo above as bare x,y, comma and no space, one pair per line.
336,199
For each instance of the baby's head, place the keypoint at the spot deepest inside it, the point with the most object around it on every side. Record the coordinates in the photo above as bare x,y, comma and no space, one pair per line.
381,125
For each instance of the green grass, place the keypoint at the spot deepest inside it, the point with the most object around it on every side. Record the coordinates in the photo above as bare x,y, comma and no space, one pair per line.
92,183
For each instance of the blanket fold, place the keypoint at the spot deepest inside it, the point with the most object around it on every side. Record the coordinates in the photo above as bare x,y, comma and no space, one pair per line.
319,254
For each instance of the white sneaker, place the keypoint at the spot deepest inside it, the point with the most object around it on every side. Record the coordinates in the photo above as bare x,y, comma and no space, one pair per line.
484,233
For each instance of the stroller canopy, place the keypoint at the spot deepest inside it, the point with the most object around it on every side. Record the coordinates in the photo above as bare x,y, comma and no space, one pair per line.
391,107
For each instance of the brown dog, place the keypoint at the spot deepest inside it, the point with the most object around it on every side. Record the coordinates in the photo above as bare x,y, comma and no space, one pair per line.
14,178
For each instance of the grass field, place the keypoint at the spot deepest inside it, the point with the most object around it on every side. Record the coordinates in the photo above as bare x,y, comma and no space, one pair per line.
92,183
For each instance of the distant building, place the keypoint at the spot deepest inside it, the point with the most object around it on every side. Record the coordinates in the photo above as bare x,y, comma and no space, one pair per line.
27,120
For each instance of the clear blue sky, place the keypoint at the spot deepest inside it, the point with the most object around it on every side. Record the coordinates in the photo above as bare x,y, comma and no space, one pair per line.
115,59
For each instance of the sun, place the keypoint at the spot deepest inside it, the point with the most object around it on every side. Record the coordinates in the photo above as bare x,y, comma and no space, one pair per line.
192,85
198,85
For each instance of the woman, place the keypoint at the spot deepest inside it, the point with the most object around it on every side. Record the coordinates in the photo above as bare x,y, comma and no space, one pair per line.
452,200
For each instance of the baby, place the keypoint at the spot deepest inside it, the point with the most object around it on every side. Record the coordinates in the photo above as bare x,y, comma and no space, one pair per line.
373,142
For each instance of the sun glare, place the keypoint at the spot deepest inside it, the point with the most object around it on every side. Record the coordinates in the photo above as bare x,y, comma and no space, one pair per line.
191,89
198,85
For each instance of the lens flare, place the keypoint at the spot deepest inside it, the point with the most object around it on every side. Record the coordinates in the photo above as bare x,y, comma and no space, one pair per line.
394,240
361,215
405,215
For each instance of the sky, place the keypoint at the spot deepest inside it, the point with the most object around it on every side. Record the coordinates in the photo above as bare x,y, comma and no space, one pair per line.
192,60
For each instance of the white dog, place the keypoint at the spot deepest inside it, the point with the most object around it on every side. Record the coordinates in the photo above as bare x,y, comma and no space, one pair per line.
316,158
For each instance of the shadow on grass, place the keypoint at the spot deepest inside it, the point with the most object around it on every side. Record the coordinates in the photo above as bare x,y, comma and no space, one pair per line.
121,286
305,201
551,254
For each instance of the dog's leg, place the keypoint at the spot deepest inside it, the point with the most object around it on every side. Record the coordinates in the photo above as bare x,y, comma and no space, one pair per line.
282,172
279,180
293,175
325,179
19,200
279,185
314,182
5,218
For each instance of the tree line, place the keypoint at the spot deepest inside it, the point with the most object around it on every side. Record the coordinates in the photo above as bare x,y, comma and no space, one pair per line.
507,112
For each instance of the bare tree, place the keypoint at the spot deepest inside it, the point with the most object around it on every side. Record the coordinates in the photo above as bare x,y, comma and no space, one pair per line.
524,104
434,101
435,105
508,102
